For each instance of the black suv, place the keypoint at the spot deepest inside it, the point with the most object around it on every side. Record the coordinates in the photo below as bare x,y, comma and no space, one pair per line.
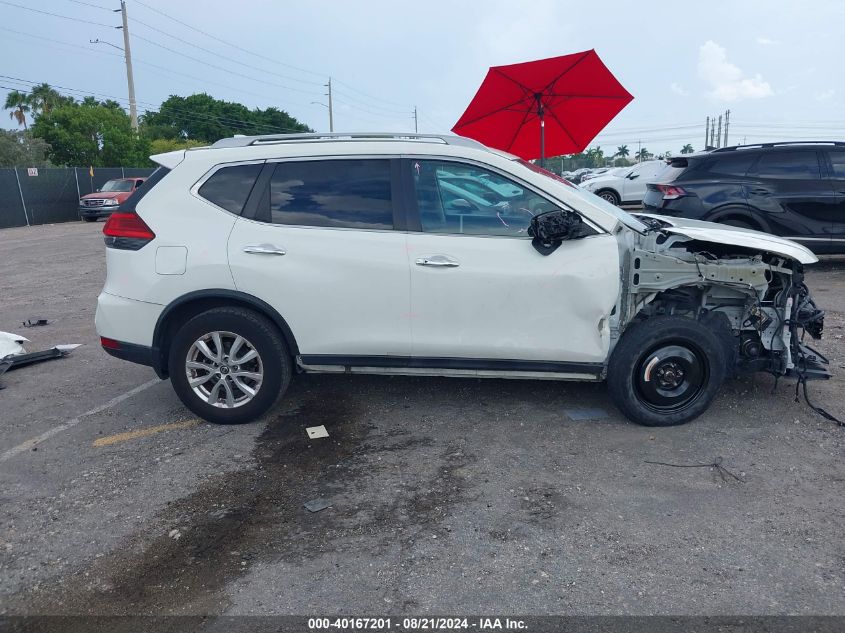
794,190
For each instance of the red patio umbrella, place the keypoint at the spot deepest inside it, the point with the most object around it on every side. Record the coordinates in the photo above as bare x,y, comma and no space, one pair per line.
546,107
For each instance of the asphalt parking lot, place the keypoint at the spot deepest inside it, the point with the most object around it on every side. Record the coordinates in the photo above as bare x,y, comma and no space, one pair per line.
448,495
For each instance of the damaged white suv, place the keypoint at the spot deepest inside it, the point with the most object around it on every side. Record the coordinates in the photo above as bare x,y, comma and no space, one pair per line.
241,263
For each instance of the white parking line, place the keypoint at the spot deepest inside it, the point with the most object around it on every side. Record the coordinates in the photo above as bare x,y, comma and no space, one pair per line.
64,426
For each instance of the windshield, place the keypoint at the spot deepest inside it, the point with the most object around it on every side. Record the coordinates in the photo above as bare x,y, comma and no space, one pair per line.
117,185
626,218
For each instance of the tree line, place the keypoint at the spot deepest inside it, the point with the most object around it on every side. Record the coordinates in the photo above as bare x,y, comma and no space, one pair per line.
60,131
595,157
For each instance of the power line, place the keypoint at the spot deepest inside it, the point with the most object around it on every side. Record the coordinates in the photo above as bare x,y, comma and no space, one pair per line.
205,63
56,15
89,4
361,101
143,62
216,54
226,70
361,92
266,58
222,41
61,42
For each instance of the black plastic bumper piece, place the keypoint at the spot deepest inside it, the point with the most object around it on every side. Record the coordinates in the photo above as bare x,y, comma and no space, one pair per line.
140,354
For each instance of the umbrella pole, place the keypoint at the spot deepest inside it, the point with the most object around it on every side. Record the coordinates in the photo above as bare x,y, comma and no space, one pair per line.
539,97
542,142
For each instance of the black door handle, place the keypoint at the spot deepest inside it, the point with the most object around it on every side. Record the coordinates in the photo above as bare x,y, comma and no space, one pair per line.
759,192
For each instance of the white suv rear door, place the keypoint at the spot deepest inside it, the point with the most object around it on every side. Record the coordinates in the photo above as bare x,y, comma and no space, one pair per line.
479,290
634,184
318,244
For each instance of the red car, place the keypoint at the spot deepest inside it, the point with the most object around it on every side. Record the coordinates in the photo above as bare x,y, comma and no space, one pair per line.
102,202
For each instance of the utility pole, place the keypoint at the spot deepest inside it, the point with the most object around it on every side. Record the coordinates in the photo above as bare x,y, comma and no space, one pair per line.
639,151
416,127
707,133
133,107
719,135
331,111
727,123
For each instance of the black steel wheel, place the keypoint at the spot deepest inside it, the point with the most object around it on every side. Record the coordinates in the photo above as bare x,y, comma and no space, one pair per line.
666,370
671,376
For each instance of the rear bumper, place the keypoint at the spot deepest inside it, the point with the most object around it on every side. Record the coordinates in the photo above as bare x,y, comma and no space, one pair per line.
128,325
139,354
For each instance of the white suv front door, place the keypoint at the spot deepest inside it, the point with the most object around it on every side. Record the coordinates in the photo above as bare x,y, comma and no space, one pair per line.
322,251
479,290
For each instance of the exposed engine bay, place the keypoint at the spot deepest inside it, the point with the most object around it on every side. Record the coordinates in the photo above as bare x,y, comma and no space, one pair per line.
757,300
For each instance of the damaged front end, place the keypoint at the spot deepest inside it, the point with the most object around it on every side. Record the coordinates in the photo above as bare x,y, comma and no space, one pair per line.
757,301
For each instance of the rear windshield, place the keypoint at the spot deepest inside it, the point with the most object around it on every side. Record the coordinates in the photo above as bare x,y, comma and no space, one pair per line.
669,174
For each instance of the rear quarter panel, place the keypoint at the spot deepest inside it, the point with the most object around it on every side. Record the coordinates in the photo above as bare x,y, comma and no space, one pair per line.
178,219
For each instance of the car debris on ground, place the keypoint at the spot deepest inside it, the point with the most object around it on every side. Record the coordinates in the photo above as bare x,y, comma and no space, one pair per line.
34,322
716,464
316,432
13,355
315,505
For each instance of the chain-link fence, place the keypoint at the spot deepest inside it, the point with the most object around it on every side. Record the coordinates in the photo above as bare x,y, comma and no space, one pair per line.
45,196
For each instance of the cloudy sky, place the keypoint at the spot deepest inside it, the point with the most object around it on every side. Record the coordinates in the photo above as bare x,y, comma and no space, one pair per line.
776,64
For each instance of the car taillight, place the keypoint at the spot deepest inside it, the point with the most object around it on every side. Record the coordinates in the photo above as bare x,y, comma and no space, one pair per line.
126,230
671,192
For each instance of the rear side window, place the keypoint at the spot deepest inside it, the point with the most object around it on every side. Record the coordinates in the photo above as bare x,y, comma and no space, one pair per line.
733,165
789,165
837,161
332,193
229,187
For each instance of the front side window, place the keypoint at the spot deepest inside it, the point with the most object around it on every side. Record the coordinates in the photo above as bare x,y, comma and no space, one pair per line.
789,165
469,200
229,187
332,193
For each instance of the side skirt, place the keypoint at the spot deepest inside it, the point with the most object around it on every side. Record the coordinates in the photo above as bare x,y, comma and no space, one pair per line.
451,367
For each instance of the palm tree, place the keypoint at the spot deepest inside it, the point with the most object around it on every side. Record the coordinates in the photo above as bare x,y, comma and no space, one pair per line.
621,151
642,154
43,98
18,103
687,149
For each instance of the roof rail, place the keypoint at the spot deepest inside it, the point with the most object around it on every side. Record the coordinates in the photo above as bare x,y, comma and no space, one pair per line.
319,137
777,144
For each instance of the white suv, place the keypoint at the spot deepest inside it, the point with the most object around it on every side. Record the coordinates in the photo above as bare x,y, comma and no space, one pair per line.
244,262
627,186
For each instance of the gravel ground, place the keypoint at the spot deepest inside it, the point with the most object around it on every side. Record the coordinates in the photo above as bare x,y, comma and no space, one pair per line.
447,495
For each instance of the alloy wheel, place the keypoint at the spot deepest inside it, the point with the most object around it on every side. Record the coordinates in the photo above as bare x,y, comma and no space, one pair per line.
224,369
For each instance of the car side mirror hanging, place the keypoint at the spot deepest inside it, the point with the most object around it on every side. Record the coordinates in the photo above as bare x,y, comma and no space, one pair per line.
551,228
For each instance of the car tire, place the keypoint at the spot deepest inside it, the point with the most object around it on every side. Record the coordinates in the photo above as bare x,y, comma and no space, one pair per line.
261,364
610,195
666,370
88,218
